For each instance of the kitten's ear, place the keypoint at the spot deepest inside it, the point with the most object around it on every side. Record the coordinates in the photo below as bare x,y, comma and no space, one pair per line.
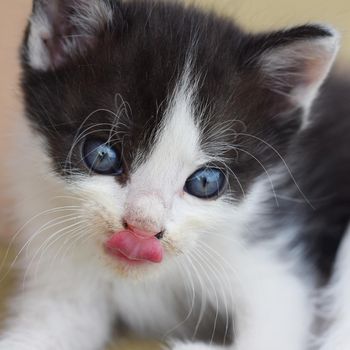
60,29
295,62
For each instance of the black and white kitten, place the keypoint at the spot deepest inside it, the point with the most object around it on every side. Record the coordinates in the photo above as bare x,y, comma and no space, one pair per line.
169,179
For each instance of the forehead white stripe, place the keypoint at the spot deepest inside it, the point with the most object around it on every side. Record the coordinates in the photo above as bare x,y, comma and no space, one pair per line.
177,147
179,133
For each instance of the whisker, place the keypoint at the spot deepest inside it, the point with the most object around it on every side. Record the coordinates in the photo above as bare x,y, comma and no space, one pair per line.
284,163
60,237
45,226
189,313
45,242
74,241
203,296
195,252
265,170
229,287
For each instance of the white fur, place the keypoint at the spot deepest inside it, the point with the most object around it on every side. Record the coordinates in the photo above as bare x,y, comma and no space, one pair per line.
68,300
336,303
197,346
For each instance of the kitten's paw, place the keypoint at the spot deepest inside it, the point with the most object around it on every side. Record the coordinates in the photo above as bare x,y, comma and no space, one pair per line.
336,344
7,345
194,346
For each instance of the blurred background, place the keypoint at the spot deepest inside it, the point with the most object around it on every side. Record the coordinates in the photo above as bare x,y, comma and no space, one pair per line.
253,15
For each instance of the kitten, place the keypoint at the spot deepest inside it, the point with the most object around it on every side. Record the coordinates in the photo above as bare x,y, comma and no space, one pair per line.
158,148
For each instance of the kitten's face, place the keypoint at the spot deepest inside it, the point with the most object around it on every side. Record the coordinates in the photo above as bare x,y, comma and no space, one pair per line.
162,119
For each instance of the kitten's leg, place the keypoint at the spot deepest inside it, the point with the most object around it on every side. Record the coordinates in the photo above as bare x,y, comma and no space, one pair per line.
336,302
194,346
274,311
60,312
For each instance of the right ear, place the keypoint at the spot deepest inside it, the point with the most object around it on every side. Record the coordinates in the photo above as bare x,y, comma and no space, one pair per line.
62,29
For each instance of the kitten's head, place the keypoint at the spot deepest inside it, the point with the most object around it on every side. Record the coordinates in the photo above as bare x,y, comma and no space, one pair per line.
162,119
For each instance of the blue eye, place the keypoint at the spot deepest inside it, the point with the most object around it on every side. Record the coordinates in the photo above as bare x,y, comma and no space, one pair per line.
206,183
101,157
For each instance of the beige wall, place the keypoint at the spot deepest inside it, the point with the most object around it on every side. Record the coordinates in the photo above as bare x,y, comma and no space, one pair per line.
253,14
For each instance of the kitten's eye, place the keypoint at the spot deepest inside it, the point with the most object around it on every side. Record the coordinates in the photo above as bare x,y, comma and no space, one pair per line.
101,157
206,183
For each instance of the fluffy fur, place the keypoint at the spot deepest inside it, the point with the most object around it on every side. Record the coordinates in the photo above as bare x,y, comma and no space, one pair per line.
173,89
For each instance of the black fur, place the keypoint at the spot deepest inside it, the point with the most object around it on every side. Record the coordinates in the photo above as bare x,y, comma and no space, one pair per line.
320,161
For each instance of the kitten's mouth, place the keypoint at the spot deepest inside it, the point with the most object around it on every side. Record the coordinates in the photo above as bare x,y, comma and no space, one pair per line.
131,248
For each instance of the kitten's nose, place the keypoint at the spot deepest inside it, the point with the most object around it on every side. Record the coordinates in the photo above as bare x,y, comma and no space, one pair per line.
144,215
141,233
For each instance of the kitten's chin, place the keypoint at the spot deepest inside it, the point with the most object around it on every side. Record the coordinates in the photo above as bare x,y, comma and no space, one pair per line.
122,266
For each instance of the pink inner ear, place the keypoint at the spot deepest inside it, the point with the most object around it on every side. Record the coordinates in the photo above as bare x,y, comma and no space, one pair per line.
135,247
64,29
301,67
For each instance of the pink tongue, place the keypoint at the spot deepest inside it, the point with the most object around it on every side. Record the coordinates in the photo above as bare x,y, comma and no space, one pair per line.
135,247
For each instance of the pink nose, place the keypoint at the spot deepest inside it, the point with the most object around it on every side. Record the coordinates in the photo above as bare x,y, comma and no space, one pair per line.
145,212
141,225
139,231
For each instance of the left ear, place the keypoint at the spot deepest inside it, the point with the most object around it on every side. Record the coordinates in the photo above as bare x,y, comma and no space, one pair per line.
60,30
295,62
